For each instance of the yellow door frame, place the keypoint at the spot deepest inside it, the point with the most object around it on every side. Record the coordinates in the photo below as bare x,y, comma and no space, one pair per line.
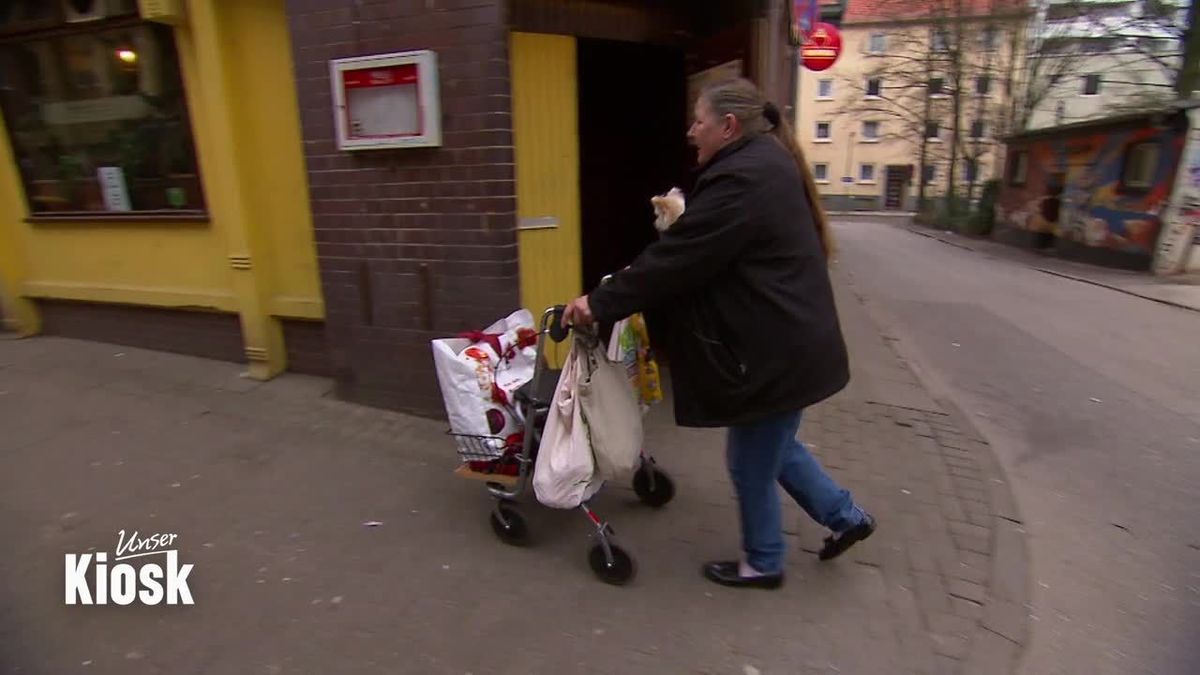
546,149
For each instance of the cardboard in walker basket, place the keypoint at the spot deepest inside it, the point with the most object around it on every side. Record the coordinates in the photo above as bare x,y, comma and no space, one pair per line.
479,374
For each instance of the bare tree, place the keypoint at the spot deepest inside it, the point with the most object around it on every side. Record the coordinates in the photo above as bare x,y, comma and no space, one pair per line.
1153,41
930,79
1052,53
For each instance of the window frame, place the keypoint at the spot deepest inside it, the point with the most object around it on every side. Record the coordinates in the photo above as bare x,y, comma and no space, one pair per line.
825,96
878,128
871,47
1018,168
817,137
1127,156
873,180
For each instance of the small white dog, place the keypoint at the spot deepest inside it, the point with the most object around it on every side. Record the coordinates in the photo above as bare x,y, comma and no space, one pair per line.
667,209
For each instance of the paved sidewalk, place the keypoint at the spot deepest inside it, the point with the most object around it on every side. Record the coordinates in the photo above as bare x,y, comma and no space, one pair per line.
268,486
1182,291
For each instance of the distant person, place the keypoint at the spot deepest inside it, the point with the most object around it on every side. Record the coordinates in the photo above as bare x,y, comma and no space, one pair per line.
738,293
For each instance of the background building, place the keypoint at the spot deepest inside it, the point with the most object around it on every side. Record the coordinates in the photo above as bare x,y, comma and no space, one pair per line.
921,93
1095,58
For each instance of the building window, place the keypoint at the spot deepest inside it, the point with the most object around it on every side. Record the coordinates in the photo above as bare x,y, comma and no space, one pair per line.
1091,85
877,43
940,41
1141,161
937,86
870,131
989,38
866,173
1018,168
970,170
824,88
823,131
930,173
983,85
977,129
95,109
931,131
821,172
874,86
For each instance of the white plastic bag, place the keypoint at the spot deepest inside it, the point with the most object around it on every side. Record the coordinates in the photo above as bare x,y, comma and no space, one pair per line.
564,474
611,412
479,375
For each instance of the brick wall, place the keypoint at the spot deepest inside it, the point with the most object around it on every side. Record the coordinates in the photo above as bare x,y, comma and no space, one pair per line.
419,243
307,349
206,334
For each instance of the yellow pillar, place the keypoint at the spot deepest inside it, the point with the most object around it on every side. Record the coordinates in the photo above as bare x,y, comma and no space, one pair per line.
216,108
19,313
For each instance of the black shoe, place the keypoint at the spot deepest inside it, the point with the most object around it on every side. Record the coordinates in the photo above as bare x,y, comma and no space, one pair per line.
726,574
835,546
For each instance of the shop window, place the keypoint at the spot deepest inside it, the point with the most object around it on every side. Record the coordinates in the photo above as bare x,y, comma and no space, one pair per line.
1141,161
95,109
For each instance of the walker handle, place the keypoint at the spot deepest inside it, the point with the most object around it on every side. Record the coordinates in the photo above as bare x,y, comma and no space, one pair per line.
558,332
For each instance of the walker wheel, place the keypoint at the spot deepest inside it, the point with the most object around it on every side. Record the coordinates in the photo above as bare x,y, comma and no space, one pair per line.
509,525
653,486
620,571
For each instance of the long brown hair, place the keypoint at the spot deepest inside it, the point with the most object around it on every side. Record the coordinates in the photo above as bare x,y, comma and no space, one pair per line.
742,99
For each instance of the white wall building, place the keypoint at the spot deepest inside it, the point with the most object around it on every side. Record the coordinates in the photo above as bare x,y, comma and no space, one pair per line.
1094,58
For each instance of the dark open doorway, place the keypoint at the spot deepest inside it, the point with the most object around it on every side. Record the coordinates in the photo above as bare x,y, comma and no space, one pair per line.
632,145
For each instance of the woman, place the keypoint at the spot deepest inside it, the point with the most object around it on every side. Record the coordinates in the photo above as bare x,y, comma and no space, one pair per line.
738,293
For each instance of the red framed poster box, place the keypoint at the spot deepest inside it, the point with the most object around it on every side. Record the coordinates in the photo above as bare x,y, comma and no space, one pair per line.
386,101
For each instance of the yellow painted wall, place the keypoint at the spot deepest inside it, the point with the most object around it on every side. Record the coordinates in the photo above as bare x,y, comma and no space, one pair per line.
270,151
17,313
546,136
237,70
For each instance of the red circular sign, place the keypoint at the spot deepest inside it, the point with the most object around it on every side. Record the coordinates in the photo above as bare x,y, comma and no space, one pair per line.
821,47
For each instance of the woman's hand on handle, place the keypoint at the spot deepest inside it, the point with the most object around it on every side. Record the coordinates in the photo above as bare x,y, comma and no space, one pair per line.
578,313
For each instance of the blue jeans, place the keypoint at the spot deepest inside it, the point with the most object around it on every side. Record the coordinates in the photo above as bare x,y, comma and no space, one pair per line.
763,453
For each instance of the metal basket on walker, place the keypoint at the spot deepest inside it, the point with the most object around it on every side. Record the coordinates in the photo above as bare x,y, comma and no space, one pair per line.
505,465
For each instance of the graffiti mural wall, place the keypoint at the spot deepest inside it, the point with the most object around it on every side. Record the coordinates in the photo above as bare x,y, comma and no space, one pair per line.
1098,186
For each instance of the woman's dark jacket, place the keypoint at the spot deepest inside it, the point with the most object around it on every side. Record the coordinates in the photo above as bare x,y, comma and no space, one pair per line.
738,294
